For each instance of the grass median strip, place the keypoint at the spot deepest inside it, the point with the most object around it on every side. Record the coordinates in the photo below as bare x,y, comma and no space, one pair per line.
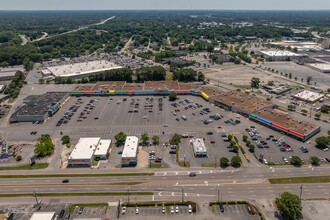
36,166
303,179
76,175
77,194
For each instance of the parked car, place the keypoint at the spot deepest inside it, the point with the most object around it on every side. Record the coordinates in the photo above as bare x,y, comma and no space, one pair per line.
221,208
123,210
176,209
189,208
172,210
81,209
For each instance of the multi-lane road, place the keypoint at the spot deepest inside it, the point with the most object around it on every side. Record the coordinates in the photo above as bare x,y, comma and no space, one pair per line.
244,183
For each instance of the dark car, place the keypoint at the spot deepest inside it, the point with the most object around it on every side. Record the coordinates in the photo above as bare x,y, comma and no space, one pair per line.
221,208
192,174
81,209
65,181
61,213
172,152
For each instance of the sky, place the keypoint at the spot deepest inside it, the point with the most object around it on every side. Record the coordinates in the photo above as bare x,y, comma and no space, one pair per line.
164,4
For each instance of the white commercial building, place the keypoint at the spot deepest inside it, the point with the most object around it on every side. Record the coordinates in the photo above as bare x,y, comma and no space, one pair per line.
80,70
308,96
199,148
280,55
322,67
43,216
129,155
102,149
83,152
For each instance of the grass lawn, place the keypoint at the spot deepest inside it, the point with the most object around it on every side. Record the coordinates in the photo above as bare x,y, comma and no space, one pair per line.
155,165
305,179
27,167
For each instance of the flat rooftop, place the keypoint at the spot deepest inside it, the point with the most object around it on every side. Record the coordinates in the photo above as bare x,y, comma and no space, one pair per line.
308,96
161,85
42,216
102,147
112,85
253,104
130,147
280,53
84,149
133,86
76,69
188,86
39,104
284,119
212,91
321,66
84,87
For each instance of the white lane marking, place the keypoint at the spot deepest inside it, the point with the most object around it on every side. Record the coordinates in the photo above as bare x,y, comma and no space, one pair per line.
160,193
164,174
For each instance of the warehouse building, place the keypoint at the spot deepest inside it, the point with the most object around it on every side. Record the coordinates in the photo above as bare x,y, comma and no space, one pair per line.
9,72
308,96
39,107
199,148
80,70
280,55
129,155
88,149
43,216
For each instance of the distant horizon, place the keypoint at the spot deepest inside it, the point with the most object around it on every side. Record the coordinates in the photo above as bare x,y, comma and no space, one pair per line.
96,5
200,10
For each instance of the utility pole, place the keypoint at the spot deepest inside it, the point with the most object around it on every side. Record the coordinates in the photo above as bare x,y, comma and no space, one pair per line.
35,196
301,188
128,195
182,195
218,194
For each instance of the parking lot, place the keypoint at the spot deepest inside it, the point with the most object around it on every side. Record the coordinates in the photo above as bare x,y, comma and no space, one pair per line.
278,149
89,212
235,212
191,116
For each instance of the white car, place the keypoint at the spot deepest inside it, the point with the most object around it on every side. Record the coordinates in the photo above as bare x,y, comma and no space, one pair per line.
163,210
123,210
265,161
189,208
165,125
137,210
172,210
326,149
176,209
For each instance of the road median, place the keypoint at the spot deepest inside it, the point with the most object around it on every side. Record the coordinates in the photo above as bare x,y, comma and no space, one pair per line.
302,179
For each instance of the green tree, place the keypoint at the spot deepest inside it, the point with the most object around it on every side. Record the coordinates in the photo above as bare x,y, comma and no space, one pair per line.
65,139
155,139
304,111
309,79
255,82
176,139
251,148
236,161
317,115
322,142
325,109
120,138
237,60
145,138
296,161
289,206
18,158
315,160
291,107
172,96
245,137
235,148
45,146
224,162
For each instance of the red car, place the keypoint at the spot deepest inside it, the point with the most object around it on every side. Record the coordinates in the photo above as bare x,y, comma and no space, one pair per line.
219,127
